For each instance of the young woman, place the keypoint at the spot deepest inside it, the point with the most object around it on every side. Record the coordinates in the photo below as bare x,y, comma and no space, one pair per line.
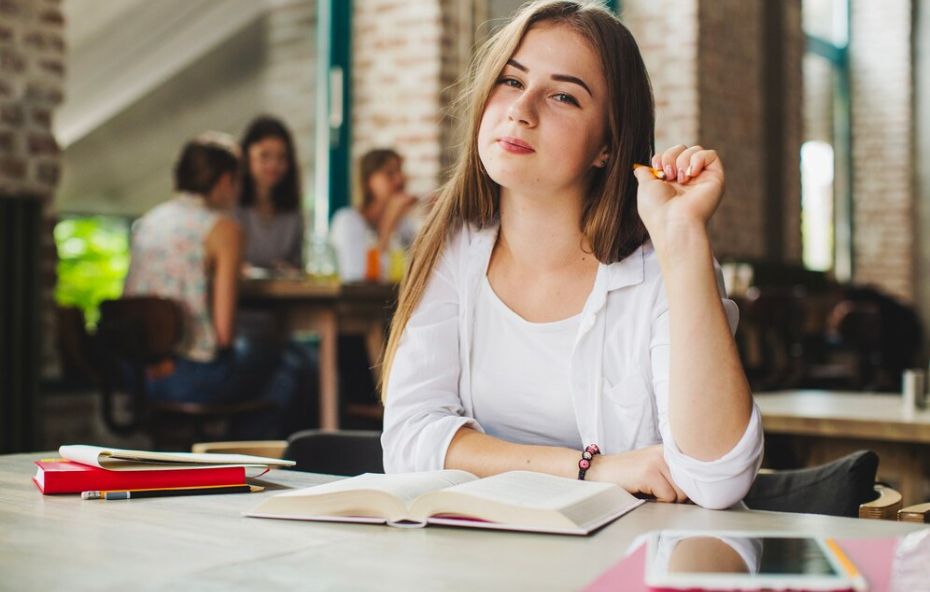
556,301
382,216
189,249
269,205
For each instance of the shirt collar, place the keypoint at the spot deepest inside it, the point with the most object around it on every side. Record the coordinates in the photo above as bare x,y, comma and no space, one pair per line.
628,272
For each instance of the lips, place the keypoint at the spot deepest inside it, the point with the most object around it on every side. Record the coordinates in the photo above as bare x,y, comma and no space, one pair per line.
515,145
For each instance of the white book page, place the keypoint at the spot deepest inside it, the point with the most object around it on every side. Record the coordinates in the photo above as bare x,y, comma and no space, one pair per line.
532,490
121,459
404,486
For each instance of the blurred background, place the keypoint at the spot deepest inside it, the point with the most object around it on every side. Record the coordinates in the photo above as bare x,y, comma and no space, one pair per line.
819,108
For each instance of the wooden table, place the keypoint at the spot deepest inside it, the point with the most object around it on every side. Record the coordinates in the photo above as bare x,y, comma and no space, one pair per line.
327,309
818,426
204,543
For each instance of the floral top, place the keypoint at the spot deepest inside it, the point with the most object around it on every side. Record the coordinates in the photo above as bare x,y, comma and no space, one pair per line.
169,260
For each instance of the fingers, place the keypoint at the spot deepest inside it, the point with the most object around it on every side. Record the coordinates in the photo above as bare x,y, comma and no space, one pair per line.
664,487
682,163
644,175
665,490
666,161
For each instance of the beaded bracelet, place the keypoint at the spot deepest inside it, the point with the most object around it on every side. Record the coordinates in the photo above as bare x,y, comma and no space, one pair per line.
585,463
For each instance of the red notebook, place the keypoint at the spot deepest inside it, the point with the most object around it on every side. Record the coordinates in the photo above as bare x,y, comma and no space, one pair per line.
57,475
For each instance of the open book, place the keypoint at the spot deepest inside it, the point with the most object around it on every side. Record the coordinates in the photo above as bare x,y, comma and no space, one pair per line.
518,500
117,459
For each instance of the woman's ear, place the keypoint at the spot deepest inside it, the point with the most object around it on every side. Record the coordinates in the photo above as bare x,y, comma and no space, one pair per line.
601,160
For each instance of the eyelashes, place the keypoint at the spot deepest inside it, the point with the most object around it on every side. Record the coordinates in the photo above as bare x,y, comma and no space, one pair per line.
561,97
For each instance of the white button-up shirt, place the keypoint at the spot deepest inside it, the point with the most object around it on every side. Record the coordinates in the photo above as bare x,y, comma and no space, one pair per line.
619,371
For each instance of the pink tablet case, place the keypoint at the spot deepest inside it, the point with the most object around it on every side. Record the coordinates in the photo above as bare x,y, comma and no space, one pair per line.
872,556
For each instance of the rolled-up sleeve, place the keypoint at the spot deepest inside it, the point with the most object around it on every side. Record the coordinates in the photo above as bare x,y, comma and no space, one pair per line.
423,409
722,482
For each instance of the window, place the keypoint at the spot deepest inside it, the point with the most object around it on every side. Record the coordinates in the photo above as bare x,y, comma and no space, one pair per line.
93,258
826,202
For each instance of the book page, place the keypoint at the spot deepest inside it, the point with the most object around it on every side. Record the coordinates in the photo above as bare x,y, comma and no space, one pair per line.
371,495
116,459
404,486
522,500
533,490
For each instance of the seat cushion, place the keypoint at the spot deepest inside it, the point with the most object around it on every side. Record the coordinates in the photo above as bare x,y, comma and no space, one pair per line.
835,489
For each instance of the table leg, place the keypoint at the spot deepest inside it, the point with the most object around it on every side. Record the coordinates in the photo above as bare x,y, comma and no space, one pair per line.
329,370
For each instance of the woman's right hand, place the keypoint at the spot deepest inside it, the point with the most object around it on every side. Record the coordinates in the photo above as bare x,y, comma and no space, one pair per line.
642,471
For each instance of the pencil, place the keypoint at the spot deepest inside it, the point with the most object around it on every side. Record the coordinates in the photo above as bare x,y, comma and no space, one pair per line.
848,566
655,172
169,491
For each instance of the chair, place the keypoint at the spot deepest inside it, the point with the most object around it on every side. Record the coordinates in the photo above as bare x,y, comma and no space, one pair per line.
133,334
346,452
844,487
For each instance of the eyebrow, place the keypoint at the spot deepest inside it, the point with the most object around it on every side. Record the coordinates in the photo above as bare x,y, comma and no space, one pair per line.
559,77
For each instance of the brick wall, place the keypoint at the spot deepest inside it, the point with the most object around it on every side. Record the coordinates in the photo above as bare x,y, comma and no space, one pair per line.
882,115
397,81
667,34
31,82
793,132
730,65
700,55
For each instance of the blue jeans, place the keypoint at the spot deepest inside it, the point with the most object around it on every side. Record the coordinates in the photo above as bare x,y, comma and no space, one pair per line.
284,377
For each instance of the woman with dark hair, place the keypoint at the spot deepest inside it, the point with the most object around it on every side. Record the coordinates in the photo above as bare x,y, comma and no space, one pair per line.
382,216
189,249
269,204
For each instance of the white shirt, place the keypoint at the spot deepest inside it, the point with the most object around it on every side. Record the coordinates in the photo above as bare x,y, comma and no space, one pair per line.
351,237
520,377
618,368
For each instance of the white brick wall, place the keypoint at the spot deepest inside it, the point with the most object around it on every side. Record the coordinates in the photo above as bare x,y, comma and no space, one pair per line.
667,34
397,64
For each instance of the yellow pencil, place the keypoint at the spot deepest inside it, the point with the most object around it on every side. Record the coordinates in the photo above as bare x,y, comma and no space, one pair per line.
169,491
848,566
655,172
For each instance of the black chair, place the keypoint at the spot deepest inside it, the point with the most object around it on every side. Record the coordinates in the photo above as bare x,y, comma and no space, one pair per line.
346,452
133,335
844,487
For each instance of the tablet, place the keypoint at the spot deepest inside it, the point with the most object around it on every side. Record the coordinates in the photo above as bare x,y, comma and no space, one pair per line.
722,560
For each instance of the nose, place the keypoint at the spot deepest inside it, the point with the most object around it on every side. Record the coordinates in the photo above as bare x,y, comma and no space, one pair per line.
522,110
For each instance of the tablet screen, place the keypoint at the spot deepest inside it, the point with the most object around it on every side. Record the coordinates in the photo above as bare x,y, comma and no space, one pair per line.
735,560
762,555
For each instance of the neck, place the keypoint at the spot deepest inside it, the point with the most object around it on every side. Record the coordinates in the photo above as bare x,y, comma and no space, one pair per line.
263,201
541,233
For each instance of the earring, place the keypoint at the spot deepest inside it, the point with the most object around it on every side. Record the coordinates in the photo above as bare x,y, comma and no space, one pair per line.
602,162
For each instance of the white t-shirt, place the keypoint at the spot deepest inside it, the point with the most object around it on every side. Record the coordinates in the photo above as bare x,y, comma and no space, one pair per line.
351,237
521,381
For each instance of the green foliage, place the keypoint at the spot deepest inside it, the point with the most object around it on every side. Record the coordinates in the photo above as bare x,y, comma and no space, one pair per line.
93,258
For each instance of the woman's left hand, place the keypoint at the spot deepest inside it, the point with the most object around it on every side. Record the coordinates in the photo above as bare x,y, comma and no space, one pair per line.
689,195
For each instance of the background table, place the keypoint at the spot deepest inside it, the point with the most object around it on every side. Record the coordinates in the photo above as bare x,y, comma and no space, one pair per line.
812,427
326,309
204,542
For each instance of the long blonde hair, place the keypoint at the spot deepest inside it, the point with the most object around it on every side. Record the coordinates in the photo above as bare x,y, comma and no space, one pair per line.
609,220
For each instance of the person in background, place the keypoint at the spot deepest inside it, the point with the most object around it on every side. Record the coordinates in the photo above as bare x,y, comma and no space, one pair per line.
189,249
382,217
269,203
